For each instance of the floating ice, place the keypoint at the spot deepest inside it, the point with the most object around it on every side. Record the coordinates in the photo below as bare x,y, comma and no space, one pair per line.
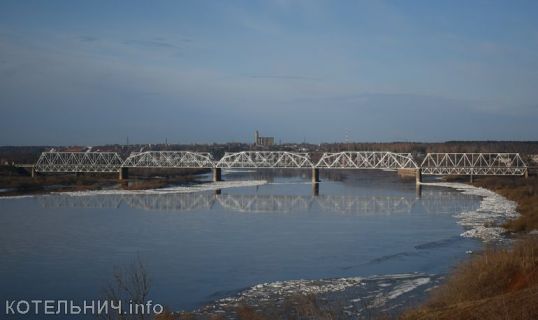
484,222
170,190
357,295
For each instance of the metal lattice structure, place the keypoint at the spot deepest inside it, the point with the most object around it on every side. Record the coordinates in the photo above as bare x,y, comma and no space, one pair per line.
78,162
265,159
487,164
433,164
367,160
169,159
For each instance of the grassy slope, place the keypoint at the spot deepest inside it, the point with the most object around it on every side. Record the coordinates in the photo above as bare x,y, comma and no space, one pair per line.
499,283
522,191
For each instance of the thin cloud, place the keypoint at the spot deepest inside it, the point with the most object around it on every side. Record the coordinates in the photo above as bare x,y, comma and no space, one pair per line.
152,43
286,77
87,39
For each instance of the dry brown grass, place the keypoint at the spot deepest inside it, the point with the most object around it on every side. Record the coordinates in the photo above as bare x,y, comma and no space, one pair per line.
498,284
247,313
167,315
524,192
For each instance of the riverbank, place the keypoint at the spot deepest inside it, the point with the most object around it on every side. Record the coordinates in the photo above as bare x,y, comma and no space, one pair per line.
18,182
500,283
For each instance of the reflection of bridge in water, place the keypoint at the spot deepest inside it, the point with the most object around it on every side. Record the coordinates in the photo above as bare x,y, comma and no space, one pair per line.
444,202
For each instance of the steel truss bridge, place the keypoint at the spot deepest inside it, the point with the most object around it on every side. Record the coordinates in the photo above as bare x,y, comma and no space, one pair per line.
487,164
265,159
169,159
78,162
433,163
366,160
434,202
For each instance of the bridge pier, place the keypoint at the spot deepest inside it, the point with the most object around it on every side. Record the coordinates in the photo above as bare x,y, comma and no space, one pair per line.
418,176
471,178
315,189
217,174
526,173
419,191
315,175
124,173
33,172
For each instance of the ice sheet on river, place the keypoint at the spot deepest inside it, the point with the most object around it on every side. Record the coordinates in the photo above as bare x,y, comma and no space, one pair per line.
483,223
170,190
344,298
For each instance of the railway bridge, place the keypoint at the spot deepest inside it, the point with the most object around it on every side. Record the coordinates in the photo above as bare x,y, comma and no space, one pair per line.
469,164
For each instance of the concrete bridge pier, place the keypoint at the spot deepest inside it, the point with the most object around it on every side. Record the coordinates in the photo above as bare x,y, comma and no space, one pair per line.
33,172
418,176
471,178
124,173
315,175
217,174
419,191
315,189
526,173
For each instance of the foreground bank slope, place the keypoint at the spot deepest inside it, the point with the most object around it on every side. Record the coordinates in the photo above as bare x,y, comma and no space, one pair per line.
500,283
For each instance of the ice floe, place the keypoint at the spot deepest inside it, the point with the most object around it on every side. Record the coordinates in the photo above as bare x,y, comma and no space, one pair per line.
358,296
169,190
483,223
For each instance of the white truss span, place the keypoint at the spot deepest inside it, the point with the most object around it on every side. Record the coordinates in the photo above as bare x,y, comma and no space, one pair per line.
366,160
473,164
78,162
265,159
169,159
433,164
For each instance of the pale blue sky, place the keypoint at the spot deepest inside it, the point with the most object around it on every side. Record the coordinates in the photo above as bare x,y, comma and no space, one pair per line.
94,72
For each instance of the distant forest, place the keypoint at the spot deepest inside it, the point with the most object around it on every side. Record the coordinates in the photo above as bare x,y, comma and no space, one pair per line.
30,154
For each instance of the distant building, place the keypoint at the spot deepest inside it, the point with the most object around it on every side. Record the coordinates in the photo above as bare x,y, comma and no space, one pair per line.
263,141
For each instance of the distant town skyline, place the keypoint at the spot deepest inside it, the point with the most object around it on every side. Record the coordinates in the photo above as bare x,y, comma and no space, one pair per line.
95,72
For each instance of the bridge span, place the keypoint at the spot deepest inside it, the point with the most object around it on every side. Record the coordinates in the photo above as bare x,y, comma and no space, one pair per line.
470,164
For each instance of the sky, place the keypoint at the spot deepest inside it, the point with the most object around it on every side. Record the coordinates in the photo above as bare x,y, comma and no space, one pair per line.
97,72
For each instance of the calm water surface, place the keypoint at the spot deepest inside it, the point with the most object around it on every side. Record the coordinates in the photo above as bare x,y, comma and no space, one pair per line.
202,246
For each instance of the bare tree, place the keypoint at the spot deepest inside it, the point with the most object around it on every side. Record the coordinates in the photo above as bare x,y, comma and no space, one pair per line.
129,287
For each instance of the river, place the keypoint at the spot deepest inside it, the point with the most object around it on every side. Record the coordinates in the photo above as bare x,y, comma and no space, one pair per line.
200,245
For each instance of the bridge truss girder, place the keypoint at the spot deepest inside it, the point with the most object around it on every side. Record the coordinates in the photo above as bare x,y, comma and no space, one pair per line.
366,160
265,159
169,159
486,164
78,162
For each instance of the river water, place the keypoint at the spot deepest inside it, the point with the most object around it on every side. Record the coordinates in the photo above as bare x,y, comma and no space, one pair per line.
200,245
